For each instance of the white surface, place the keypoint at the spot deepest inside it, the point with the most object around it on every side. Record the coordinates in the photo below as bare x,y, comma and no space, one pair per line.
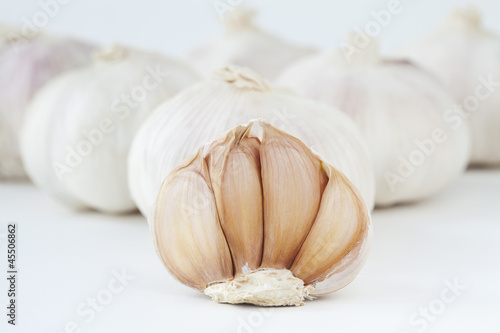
67,257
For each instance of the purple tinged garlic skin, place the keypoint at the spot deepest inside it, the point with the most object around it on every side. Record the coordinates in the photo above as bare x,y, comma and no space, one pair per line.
401,111
25,66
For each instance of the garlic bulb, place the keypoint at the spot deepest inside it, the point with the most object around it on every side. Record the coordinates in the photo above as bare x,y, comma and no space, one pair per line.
25,66
80,126
262,222
233,96
466,58
401,112
246,45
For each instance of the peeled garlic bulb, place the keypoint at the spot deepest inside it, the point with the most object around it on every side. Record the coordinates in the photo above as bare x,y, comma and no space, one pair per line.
262,222
246,45
466,57
233,96
80,126
401,112
25,66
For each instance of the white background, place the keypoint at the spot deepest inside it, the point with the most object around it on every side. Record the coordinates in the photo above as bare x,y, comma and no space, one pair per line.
178,26
67,258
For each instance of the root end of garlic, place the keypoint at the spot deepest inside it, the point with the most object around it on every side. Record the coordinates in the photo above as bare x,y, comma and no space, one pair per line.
264,287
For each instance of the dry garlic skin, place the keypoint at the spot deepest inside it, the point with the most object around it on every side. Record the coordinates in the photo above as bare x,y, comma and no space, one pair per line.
79,128
244,44
401,111
466,58
233,96
25,66
294,228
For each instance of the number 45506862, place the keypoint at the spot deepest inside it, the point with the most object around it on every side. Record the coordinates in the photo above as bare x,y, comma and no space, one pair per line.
11,246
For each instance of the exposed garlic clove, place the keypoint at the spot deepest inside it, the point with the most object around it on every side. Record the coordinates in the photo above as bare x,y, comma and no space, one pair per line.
234,164
339,230
186,227
335,245
292,181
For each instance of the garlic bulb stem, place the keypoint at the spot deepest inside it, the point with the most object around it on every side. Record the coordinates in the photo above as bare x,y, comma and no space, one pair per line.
113,53
465,18
264,287
239,19
365,55
242,78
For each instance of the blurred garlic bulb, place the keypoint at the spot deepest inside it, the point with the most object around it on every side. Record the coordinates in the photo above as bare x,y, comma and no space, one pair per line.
233,96
25,66
262,222
246,45
80,126
401,112
466,57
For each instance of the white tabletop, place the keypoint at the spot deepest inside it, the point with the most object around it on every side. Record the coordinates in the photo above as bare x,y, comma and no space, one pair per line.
69,260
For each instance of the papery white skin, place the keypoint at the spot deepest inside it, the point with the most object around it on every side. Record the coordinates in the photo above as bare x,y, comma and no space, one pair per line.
79,101
394,103
199,114
25,66
459,52
244,44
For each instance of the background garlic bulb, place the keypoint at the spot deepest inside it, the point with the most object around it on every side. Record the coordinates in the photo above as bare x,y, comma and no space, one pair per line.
262,222
246,45
401,112
78,132
466,58
233,96
26,65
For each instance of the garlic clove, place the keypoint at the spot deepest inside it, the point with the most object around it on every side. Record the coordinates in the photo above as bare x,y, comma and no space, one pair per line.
186,227
234,164
339,229
292,182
